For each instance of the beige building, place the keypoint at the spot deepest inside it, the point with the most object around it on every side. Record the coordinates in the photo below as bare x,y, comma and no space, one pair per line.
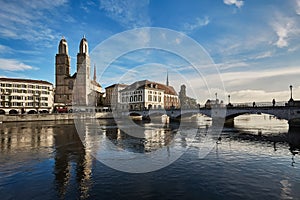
147,94
112,94
77,89
24,95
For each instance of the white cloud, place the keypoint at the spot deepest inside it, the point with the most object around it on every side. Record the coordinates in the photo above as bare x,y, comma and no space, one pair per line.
5,49
285,28
297,6
28,21
258,96
232,65
282,33
199,22
129,13
237,3
14,65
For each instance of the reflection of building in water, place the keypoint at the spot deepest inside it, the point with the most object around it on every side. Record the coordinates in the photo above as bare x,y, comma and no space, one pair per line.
17,142
153,139
71,153
50,138
157,139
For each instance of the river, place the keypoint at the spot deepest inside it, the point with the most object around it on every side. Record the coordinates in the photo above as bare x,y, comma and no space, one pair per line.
257,158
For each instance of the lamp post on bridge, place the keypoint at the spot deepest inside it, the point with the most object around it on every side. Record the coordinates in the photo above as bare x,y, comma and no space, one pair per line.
229,99
291,89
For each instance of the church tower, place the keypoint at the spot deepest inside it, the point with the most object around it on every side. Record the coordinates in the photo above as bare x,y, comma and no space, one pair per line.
62,71
83,74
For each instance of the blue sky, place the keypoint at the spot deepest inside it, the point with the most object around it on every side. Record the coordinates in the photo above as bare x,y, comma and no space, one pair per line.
254,44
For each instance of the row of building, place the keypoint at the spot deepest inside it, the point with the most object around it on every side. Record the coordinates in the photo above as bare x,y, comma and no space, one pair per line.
80,90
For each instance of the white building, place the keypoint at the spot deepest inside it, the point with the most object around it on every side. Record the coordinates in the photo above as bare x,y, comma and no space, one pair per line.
24,95
113,94
147,94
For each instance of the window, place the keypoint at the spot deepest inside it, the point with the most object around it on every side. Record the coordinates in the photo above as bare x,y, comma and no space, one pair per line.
140,98
149,97
70,85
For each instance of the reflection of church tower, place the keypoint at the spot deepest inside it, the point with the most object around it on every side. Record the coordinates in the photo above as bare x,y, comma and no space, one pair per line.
83,74
62,70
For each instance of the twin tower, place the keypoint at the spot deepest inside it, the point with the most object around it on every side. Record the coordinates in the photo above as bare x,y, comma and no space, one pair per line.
75,89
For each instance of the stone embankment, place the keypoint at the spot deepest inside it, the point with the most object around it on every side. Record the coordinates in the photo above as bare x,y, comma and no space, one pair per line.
53,117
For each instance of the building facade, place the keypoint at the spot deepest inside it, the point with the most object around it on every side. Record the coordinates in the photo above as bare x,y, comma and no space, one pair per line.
185,101
79,88
146,94
112,95
24,95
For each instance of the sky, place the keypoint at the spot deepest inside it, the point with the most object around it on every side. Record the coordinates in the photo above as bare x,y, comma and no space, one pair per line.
254,46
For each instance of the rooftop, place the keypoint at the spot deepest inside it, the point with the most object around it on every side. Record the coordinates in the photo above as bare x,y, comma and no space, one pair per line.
17,80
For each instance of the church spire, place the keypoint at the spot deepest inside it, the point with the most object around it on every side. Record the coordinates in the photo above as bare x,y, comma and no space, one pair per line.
167,82
95,75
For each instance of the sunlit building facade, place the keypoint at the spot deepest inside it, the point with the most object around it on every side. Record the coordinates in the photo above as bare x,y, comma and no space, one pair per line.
148,95
23,95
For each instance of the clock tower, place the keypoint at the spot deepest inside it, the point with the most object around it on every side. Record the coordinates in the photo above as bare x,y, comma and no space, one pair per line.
62,71
83,74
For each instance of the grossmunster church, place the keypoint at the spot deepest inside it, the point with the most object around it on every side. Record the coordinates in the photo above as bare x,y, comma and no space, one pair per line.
77,89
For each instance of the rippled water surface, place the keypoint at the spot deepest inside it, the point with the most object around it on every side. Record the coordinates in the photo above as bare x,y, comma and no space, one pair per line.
257,158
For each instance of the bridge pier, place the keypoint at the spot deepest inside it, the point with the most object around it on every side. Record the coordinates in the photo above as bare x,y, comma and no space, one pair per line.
229,122
294,122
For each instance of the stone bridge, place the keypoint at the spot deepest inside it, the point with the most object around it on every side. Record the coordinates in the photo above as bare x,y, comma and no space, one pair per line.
291,114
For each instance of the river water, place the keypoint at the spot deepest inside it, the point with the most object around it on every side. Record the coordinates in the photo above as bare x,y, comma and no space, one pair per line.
257,158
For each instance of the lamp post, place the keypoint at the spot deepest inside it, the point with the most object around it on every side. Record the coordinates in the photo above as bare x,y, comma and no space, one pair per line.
229,99
216,95
291,89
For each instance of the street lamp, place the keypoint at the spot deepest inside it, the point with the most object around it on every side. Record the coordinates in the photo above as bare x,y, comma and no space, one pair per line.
229,99
216,95
291,89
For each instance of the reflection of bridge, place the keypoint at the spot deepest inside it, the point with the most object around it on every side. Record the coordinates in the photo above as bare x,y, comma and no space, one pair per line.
291,114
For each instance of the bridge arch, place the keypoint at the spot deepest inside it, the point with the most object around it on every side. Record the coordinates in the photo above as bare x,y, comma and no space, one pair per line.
132,114
231,116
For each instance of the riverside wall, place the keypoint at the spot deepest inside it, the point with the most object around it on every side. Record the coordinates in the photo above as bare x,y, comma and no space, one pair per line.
53,117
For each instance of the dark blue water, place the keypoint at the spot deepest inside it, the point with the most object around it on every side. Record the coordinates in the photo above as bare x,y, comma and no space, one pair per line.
256,159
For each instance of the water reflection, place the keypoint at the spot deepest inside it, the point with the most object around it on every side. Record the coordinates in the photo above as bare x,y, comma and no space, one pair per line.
30,143
73,174
69,154
154,138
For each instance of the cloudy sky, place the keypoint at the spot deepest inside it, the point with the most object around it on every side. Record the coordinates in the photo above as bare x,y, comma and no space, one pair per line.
255,44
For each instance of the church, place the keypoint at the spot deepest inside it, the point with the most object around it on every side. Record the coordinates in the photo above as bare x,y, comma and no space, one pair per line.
77,89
